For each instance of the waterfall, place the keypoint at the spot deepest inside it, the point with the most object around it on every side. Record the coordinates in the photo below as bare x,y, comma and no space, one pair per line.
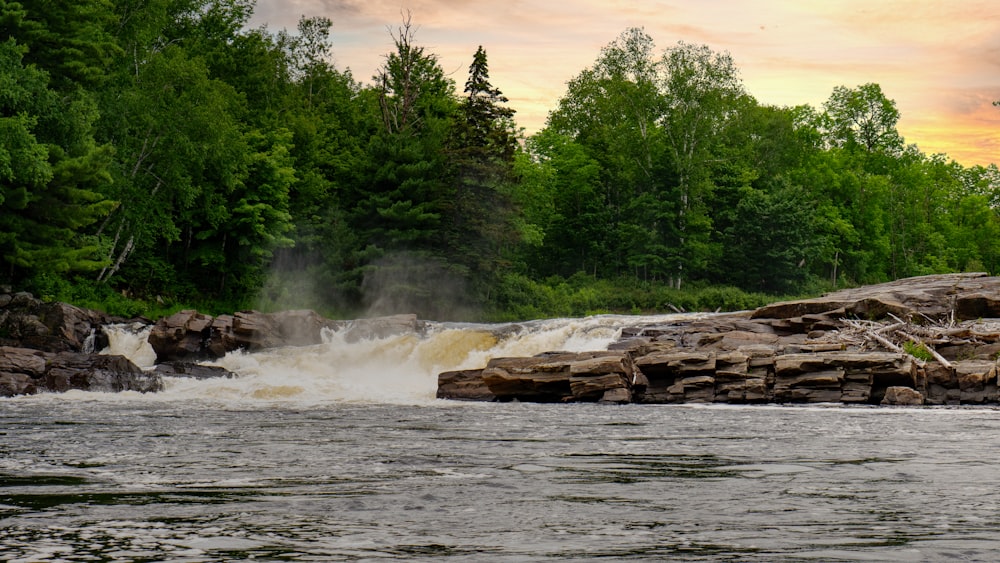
400,369
88,342
130,340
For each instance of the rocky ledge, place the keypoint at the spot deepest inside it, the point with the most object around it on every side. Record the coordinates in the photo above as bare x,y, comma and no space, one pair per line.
926,340
50,346
47,346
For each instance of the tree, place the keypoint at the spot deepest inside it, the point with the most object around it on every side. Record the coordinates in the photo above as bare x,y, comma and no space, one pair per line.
52,174
771,239
862,117
414,93
611,111
480,226
179,150
488,122
700,87
400,206
70,40
567,207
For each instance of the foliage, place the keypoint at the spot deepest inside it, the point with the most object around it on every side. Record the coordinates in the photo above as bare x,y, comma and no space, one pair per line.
520,298
157,154
917,350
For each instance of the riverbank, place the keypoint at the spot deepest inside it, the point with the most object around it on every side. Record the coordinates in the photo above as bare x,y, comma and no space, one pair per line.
928,340
925,340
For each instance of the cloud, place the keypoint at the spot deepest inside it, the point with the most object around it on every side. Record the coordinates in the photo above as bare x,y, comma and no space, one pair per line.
925,54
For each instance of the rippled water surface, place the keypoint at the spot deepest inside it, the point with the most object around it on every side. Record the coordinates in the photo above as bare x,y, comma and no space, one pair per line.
129,479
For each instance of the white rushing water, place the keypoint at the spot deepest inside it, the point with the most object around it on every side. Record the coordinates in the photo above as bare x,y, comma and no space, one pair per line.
400,369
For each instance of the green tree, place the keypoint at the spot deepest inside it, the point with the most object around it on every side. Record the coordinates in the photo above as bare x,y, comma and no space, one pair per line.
612,111
480,228
862,117
70,40
52,174
399,210
567,207
700,87
770,240
179,149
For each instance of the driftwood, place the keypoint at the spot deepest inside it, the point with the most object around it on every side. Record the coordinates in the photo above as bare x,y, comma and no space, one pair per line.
893,335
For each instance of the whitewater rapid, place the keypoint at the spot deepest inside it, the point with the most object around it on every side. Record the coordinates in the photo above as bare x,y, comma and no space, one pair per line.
399,369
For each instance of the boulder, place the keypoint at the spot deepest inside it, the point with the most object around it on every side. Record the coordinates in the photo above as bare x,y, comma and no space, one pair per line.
191,370
22,360
977,381
27,322
467,385
12,384
27,371
95,372
190,335
603,376
183,335
535,379
902,396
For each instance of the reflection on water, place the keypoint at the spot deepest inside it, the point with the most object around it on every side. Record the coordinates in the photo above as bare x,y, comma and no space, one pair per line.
136,480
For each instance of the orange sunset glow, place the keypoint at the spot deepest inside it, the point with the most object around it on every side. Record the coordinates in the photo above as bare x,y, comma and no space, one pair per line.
940,61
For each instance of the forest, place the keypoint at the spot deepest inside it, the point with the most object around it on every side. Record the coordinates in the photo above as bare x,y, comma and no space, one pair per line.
156,154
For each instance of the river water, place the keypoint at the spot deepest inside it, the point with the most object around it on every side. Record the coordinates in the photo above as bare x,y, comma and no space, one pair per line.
340,452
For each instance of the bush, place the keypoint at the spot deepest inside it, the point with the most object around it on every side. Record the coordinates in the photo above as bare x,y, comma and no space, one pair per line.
521,298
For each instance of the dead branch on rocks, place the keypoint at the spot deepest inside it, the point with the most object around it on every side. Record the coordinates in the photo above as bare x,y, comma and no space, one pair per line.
895,333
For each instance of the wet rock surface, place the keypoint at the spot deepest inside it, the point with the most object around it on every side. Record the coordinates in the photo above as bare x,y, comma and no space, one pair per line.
51,347
928,340
189,335
49,326
24,371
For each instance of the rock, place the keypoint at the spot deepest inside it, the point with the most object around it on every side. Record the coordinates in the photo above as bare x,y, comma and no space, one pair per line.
966,296
977,381
27,322
12,384
28,371
192,370
467,385
527,379
564,376
24,361
183,335
190,335
95,372
902,396
616,396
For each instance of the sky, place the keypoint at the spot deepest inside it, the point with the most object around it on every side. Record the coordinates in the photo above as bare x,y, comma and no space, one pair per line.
938,59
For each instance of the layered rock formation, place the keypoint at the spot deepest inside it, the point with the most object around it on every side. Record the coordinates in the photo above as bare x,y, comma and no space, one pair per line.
25,371
926,340
49,347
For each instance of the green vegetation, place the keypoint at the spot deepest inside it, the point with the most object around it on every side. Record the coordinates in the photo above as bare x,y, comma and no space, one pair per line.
917,350
160,154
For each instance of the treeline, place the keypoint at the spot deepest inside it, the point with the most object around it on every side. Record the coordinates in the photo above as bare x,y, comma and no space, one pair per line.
163,151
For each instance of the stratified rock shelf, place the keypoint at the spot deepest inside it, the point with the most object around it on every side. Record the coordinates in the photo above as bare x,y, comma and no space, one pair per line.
927,340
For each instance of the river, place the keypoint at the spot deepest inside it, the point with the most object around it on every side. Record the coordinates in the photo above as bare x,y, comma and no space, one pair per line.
339,452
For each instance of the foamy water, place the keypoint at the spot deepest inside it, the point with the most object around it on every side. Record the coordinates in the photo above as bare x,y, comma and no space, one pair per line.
399,369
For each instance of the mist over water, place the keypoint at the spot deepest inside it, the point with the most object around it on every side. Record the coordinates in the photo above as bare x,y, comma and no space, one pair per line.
396,283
